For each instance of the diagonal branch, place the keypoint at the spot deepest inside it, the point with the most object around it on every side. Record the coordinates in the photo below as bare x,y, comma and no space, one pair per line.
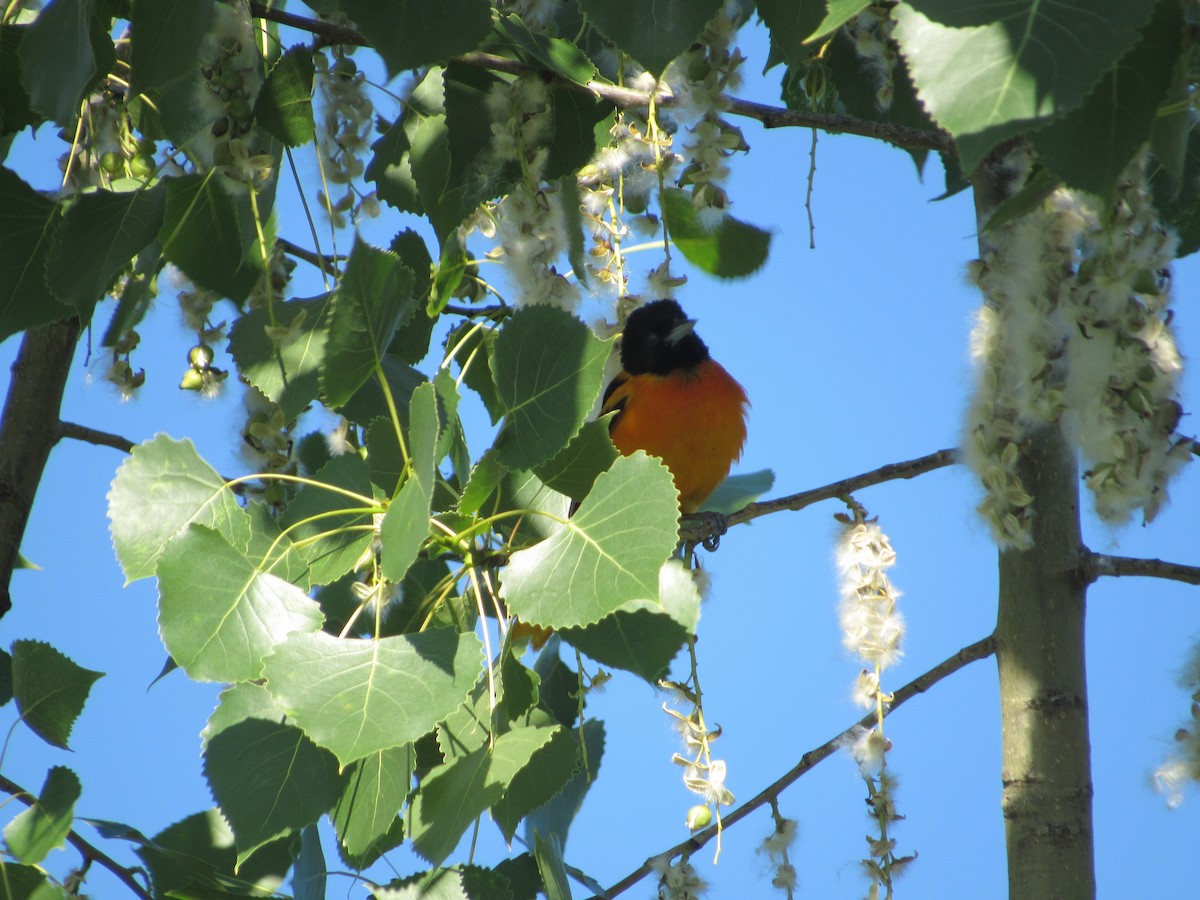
979,650
770,116
1097,565
94,436
90,852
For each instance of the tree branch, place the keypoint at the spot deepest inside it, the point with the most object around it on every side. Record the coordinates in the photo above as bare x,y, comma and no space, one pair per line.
697,528
89,851
919,685
29,428
1096,565
324,263
94,436
770,116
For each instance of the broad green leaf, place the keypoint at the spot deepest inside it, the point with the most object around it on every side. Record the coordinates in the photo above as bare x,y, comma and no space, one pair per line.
462,882
574,469
27,225
376,788
219,615
482,483
392,166
653,32
163,487
240,702
429,160
411,342
406,522
572,143
197,854
733,249
6,677
208,232
384,456
357,697
477,721
1178,201
27,883
643,636
548,367
59,58
336,528
840,12
607,554
308,874
540,508
523,876
166,40
99,235
558,684
555,817
284,104
15,112
287,373
737,491
50,690
412,33
451,268
548,853
1091,146
555,54
372,299
1169,133
452,796
269,780
44,826
987,69
549,770
369,403
273,552
568,193
473,345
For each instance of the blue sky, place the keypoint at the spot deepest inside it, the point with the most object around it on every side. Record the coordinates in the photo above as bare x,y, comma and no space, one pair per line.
854,355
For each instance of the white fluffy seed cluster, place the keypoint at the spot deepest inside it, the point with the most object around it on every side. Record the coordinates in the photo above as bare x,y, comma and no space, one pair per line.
1075,330
871,626
678,880
871,32
1181,768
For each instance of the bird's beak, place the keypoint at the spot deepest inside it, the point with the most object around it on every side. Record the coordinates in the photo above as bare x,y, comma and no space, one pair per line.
680,331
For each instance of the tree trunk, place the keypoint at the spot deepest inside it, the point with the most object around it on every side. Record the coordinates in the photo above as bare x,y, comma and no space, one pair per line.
29,428
1047,799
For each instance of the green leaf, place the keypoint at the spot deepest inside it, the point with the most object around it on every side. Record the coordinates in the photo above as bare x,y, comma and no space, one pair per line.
166,40
607,554
540,508
643,636
462,882
653,32
284,104
574,469
272,551
558,684
44,826
572,143
406,522
568,192
308,876
737,491
373,298
473,346
238,703
733,249
358,697
269,780
288,374
555,54
484,479
163,487
137,296
50,690
384,456
840,12
218,614
26,883
27,225
1178,200
413,33
548,367
58,58
555,817
376,788
391,166
548,853
15,112
208,233
453,795
338,528
6,677
451,268
1091,146
548,771
987,69
411,342
195,857
99,235
1040,185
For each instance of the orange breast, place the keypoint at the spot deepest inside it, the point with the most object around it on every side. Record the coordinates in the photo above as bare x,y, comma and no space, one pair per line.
693,420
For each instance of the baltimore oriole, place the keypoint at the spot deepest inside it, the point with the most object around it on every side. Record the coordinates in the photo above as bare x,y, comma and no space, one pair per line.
676,402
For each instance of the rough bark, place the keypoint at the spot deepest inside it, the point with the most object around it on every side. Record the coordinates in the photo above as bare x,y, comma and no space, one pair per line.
29,428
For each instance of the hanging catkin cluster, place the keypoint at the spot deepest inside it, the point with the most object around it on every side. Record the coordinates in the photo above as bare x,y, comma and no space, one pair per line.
1075,330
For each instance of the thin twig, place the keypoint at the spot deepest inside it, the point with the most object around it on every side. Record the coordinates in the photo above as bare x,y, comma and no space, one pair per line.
1097,565
89,851
979,650
94,436
324,263
770,116
698,527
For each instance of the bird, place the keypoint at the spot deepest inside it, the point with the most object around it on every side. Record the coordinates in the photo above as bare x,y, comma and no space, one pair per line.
674,401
